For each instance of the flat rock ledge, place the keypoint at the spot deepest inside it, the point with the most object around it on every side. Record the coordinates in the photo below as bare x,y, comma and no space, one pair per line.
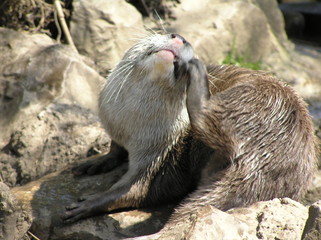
44,200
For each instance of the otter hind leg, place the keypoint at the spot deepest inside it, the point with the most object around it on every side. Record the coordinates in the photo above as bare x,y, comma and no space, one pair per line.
103,163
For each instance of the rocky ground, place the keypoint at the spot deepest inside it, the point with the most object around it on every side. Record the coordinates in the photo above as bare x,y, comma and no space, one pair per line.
48,118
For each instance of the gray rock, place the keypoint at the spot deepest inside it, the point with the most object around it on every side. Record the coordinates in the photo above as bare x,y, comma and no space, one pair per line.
275,219
48,196
14,219
312,229
58,136
274,17
216,27
103,30
48,107
215,224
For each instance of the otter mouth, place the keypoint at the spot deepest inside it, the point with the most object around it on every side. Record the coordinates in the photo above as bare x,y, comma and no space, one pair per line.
175,56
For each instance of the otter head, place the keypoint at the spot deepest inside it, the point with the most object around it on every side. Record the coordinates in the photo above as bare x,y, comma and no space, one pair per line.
154,58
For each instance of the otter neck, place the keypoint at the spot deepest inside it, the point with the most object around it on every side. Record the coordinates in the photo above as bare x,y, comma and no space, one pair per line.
146,113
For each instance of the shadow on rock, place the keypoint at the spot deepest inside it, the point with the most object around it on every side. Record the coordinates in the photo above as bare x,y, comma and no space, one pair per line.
47,197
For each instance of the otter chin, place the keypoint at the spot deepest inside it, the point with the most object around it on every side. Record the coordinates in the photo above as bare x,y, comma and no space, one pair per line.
167,55
218,135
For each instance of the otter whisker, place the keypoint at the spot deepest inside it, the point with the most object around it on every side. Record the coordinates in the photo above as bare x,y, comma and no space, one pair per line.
150,30
122,84
112,80
124,70
160,21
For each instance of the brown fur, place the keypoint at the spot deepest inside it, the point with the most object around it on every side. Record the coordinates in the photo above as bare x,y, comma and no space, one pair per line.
241,137
264,132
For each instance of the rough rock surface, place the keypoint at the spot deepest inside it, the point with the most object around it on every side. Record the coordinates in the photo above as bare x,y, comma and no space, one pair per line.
14,219
275,219
225,26
215,22
313,224
56,137
48,107
47,197
103,30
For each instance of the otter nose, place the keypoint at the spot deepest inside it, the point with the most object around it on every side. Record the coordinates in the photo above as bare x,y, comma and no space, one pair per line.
178,38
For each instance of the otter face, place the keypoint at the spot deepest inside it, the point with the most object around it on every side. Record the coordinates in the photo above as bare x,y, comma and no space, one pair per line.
150,63
155,56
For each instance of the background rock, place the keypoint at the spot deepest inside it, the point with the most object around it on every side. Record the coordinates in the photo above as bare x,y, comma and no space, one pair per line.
225,26
48,107
103,30
217,27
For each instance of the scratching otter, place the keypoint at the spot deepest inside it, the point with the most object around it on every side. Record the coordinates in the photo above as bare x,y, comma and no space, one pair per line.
227,135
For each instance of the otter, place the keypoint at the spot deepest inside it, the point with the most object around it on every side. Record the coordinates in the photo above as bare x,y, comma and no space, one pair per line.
225,135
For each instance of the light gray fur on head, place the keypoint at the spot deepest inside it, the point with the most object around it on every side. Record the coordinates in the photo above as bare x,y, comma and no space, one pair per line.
140,106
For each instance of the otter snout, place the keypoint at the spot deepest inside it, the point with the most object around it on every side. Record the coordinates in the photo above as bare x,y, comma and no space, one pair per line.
178,38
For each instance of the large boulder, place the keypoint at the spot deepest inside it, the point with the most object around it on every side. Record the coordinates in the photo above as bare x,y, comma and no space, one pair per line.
253,30
48,107
103,30
216,27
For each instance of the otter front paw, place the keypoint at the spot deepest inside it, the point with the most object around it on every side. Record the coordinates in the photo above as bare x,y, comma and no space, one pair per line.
83,208
193,70
198,90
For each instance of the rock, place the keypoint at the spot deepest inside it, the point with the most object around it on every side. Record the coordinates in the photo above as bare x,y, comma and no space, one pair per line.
48,107
14,219
216,28
225,26
48,196
103,30
212,223
58,136
312,229
275,219
274,17
33,78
